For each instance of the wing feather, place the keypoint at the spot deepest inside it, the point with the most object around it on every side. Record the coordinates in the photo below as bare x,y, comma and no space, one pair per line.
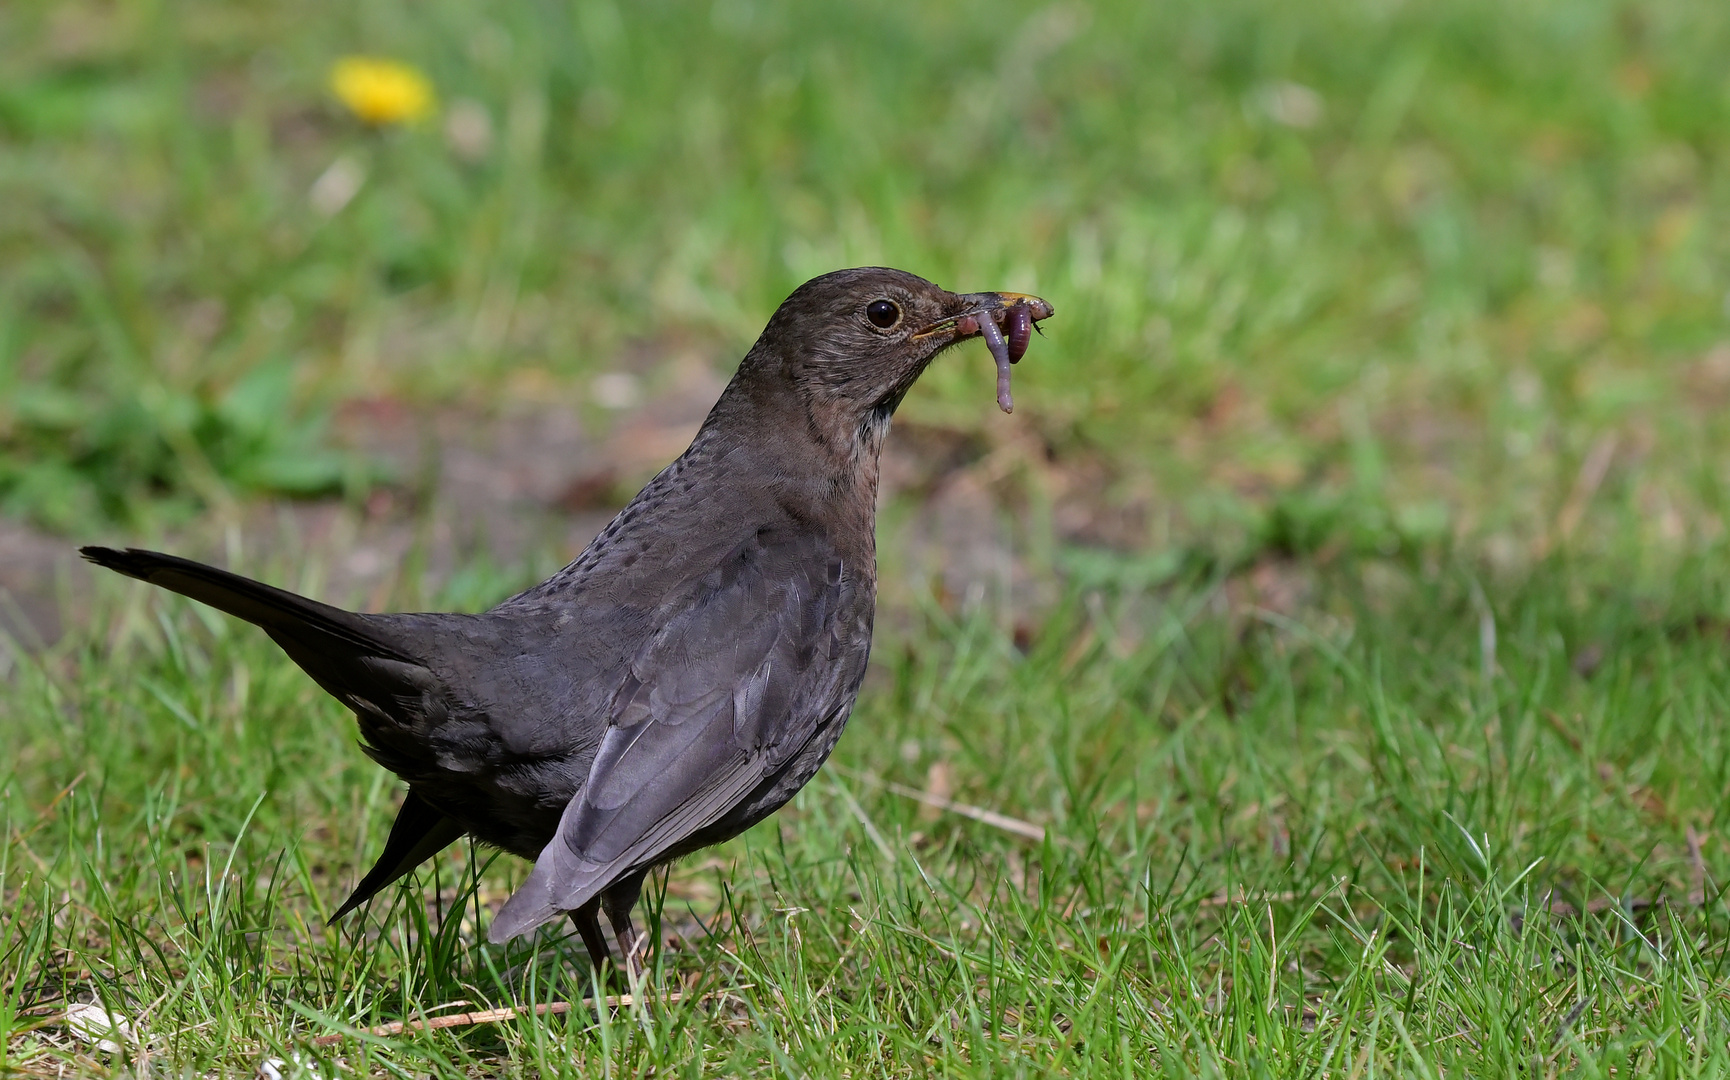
736,682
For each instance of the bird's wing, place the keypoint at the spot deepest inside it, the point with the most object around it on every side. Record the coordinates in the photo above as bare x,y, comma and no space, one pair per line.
736,682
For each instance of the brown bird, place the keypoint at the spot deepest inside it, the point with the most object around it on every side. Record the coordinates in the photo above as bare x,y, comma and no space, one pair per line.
692,669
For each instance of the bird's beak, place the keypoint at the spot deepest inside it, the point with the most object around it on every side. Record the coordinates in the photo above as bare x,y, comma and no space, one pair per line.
992,305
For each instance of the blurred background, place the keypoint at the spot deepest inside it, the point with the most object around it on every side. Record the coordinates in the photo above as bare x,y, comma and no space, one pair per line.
1334,277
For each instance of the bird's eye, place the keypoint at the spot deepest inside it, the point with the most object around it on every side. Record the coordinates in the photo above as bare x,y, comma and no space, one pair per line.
883,313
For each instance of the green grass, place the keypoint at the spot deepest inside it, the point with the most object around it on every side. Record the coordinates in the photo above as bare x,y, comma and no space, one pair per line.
1378,729
1398,831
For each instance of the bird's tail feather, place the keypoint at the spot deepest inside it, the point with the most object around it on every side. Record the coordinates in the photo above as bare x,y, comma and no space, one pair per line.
330,644
263,605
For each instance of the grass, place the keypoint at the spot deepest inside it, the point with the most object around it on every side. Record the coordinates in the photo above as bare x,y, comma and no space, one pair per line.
1382,734
1300,252
1420,835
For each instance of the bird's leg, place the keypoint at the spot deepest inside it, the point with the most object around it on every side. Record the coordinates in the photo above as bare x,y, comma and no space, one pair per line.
619,899
588,921
633,945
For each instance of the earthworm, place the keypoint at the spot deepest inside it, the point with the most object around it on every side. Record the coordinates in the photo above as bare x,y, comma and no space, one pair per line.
1020,331
993,335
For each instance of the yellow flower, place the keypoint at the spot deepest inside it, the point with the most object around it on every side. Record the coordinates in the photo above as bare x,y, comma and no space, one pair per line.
381,91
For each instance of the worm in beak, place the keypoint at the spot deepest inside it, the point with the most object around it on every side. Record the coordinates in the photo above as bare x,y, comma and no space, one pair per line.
1019,331
993,335
1006,321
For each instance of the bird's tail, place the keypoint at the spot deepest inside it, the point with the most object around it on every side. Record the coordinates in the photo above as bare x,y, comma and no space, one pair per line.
322,639
356,658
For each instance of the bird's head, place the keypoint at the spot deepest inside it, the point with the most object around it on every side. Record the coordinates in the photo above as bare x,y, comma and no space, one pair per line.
854,341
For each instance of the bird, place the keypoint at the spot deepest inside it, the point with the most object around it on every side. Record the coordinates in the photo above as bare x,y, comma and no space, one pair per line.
691,670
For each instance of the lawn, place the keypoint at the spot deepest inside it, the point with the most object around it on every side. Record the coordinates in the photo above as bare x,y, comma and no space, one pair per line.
1358,644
